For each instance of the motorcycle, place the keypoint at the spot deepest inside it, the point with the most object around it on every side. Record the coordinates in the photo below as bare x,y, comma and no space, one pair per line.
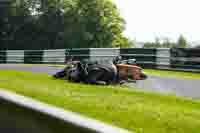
102,72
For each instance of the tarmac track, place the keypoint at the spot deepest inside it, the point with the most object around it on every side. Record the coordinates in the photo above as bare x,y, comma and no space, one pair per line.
179,87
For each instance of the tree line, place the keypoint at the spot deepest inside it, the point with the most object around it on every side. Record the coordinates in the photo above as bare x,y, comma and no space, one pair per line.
58,24
167,43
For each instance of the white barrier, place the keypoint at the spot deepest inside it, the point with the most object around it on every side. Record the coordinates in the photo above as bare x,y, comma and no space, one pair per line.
73,121
104,53
54,56
12,58
163,58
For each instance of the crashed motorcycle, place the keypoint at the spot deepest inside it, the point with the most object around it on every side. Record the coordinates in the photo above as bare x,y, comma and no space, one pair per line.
102,72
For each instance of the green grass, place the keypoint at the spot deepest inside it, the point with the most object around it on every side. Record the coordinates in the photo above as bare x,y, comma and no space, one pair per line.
174,74
142,112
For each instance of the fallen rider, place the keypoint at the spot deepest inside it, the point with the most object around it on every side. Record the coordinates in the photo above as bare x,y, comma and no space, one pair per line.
89,72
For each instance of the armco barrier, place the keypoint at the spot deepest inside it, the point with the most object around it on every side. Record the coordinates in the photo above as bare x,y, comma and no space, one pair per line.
185,58
161,58
54,56
33,56
3,57
12,58
19,114
79,54
104,53
144,57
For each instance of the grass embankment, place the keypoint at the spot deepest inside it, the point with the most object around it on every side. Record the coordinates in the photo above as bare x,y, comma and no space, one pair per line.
173,74
142,112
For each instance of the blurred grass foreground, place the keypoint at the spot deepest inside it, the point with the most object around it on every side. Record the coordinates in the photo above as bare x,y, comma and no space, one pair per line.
138,111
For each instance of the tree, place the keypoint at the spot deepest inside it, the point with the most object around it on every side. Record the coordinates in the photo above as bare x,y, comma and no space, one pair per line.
4,25
155,44
131,43
182,42
46,24
94,23
123,42
167,43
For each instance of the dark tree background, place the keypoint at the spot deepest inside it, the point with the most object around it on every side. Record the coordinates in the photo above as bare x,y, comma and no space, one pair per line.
55,24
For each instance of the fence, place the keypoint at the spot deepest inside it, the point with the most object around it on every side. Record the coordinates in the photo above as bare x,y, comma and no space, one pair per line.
178,59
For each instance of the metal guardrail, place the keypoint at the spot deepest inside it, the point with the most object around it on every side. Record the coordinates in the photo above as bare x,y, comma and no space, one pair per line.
22,114
151,58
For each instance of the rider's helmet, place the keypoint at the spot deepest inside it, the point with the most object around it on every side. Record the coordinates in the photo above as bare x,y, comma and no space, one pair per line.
117,59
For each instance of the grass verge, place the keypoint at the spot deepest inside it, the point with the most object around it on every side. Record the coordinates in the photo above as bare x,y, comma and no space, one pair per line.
174,74
142,112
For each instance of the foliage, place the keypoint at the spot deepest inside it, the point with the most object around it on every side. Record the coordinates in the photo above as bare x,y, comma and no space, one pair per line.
123,42
53,24
182,42
95,24
167,43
